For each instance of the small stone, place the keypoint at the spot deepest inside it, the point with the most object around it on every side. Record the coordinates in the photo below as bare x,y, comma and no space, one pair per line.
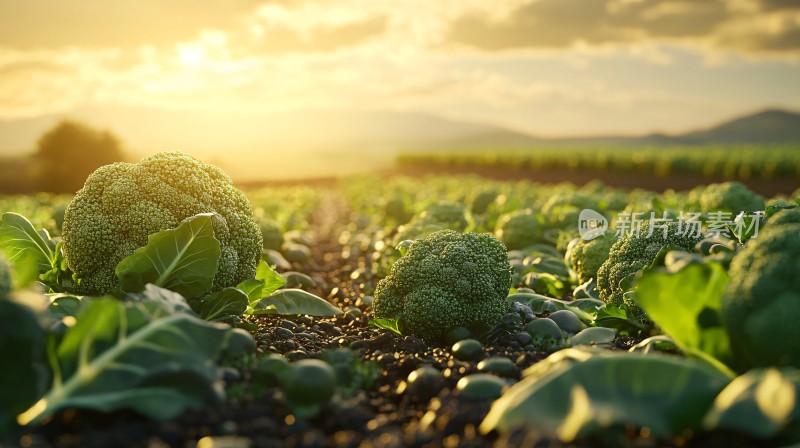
467,349
498,365
481,386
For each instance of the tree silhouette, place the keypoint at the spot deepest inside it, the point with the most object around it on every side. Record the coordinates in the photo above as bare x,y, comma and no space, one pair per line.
68,153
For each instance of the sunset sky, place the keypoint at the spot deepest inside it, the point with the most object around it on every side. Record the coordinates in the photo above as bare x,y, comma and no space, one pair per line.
547,67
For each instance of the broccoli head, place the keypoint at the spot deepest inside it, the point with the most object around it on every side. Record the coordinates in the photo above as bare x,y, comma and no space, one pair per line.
450,215
519,229
633,253
121,204
787,216
6,284
439,216
446,280
729,197
761,306
586,257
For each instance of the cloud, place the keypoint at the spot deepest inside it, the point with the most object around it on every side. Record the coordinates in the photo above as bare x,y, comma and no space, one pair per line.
766,27
102,24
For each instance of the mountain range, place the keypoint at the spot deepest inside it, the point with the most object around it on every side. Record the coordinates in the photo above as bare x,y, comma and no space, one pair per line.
320,142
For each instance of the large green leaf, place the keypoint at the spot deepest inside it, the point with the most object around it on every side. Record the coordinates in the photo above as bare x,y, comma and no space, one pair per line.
222,305
762,403
23,373
138,355
183,259
295,301
272,280
584,395
29,251
686,305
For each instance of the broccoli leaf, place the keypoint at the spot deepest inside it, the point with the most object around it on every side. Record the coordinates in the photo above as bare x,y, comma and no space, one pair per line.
272,280
295,301
184,259
598,393
23,372
222,305
762,403
686,305
386,324
132,355
29,251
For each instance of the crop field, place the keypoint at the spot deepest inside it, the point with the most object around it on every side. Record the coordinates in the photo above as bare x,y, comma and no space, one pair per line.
162,306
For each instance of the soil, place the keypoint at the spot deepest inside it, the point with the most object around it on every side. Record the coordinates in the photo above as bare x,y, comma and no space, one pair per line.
383,416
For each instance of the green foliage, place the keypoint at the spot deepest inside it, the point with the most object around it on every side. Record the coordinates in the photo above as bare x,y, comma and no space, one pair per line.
578,393
633,253
762,402
446,280
6,276
122,204
761,305
727,161
22,341
386,324
69,152
295,301
140,355
183,259
686,305
586,257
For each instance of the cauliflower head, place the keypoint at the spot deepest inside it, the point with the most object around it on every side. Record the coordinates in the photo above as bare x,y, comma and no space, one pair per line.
586,257
761,305
731,197
446,280
633,253
121,204
519,229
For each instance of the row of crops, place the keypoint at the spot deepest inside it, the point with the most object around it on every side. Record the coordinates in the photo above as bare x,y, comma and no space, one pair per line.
726,162
443,310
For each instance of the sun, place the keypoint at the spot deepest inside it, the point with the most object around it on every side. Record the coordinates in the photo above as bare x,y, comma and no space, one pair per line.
191,55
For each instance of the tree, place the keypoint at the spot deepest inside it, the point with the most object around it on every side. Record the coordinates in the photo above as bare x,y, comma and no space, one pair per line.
68,153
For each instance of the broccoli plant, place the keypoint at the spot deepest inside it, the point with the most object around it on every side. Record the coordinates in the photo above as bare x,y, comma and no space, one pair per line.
122,203
446,280
519,229
728,197
586,257
634,253
762,304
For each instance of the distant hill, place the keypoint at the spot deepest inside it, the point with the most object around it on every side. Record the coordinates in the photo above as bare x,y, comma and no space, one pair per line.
768,126
319,142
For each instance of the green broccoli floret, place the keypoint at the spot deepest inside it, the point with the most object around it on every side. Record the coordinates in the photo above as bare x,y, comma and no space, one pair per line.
6,283
122,203
519,229
446,280
761,306
586,257
633,253
729,197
